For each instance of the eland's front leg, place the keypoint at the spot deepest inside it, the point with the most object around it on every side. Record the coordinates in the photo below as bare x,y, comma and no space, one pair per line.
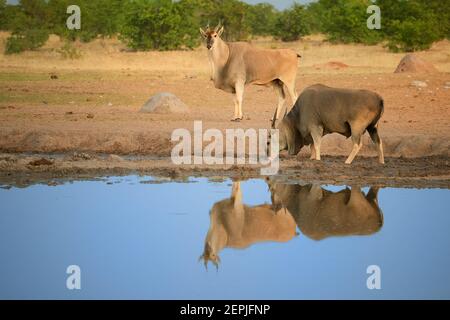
316,135
357,145
238,115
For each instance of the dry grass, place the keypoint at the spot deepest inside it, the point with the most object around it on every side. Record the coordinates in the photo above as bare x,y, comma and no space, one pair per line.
110,54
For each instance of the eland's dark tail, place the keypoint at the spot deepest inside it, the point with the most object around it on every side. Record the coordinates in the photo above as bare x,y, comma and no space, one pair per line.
379,115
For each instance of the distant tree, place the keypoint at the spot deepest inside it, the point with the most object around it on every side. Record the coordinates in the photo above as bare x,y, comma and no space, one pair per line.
233,14
262,19
345,21
292,24
26,40
158,24
441,10
411,25
407,25
28,25
3,22
316,15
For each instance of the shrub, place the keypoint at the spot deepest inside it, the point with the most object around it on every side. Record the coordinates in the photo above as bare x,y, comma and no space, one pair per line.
292,24
262,19
158,24
411,25
411,35
26,40
233,14
345,21
68,51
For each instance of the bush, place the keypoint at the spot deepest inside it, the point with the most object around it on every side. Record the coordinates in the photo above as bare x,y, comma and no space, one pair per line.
158,24
292,24
233,14
411,25
3,23
26,40
262,19
407,25
411,35
68,51
345,21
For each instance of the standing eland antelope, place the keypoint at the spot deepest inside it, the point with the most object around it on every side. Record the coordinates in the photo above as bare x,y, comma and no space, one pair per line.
237,64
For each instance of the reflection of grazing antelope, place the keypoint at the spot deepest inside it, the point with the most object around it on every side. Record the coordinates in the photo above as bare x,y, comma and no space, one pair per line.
236,64
236,225
320,213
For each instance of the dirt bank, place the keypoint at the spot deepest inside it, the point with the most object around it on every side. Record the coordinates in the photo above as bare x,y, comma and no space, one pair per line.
24,170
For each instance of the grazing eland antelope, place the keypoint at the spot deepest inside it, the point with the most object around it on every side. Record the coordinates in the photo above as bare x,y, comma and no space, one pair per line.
321,110
237,64
320,213
235,225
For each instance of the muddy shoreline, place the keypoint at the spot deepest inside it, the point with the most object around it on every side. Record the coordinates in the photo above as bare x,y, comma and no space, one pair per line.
23,170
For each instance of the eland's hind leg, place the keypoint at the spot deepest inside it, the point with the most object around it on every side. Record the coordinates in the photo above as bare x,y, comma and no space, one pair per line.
373,131
278,86
290,86
292,92
357,144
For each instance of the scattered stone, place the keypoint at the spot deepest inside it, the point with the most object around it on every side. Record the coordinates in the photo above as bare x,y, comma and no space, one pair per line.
413,64
42,162
164,102
114,157
447,85
336,65
419,84
110,104
80,156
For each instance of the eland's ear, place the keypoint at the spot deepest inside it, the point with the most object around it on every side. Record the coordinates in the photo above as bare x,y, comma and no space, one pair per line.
203,33
219,33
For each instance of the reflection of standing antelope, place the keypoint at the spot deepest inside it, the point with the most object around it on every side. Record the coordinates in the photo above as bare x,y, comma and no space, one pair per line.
236,225
320,213
236,64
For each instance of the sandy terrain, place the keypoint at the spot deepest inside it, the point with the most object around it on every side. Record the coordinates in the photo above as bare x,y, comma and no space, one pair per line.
92,106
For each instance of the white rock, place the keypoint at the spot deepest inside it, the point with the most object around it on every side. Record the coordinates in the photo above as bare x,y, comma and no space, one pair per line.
164,102
419,84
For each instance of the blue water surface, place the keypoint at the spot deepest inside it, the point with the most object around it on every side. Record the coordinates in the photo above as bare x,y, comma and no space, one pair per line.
136,240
